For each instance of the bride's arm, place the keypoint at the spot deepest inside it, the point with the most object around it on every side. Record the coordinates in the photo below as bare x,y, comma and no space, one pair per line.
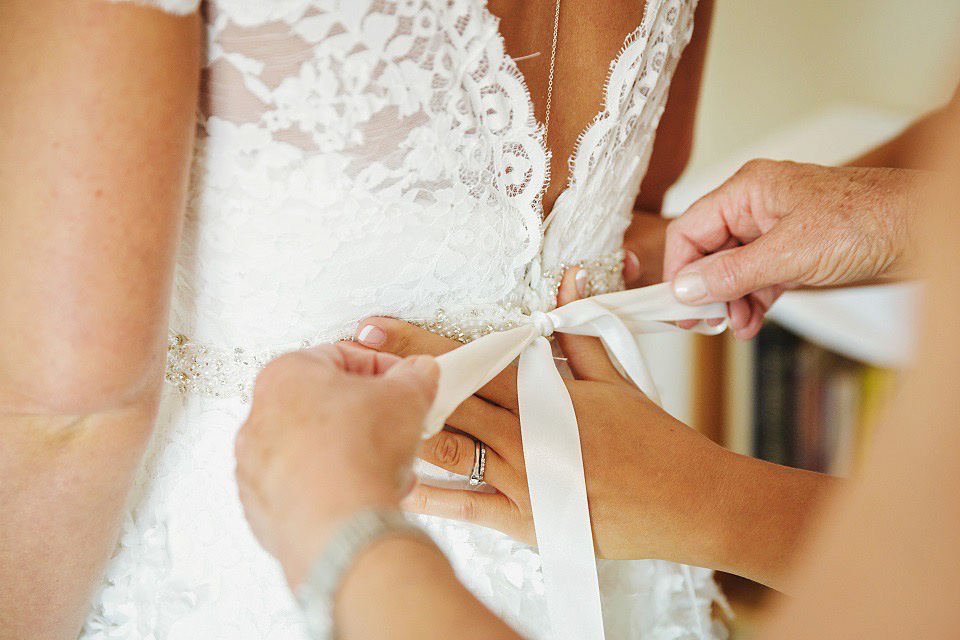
671,152
97,105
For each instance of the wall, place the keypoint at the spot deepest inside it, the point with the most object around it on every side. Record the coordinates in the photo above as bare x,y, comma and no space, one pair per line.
773,68
771,62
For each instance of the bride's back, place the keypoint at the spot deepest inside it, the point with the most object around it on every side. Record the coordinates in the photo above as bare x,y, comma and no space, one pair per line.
369,157
355,158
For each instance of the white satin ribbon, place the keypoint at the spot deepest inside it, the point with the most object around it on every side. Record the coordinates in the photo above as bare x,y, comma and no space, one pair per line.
548,426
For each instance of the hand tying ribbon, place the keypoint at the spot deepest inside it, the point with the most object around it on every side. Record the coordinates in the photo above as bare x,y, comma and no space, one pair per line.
551,439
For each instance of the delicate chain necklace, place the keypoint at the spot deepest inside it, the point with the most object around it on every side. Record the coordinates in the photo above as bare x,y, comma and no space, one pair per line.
553,62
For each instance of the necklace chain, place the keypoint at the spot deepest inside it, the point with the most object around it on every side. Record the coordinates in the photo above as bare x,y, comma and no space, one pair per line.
553,62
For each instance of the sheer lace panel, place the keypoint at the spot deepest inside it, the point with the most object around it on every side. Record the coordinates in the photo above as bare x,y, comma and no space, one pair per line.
404,135
361,157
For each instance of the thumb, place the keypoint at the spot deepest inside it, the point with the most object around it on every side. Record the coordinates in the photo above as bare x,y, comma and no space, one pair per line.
586,357
417,376
731,274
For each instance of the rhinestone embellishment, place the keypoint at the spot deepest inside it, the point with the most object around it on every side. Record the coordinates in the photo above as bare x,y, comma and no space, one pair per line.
217,372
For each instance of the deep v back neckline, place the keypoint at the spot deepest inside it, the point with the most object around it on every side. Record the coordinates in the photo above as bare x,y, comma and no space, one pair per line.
573,160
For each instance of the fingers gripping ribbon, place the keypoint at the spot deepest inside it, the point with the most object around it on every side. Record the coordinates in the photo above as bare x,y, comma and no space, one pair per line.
548,424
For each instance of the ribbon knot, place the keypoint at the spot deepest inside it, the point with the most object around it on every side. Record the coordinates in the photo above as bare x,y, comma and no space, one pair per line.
549,431
543,322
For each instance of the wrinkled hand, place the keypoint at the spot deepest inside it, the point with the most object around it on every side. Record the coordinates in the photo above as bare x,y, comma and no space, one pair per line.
778,225
649,477
332,430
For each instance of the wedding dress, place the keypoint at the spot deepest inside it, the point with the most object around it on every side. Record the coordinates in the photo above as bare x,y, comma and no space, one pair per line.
361,157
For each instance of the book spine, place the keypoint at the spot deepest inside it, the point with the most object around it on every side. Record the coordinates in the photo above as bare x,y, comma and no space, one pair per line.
776,358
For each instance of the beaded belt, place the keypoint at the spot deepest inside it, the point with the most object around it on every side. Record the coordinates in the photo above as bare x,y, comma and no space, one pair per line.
228,372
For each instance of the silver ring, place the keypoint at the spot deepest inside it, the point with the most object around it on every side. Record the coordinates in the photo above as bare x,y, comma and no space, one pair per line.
479,463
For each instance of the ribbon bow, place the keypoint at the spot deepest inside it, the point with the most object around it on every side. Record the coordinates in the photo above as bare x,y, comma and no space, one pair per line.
548,427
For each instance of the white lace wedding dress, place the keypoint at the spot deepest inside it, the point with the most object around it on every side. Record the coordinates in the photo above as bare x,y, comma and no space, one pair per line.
361,157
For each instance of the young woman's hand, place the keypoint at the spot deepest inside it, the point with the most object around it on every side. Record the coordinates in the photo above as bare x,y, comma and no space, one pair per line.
657,488
648,475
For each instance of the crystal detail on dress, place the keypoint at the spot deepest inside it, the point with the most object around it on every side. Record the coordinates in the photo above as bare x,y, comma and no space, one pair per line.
604,274
357,157
218,372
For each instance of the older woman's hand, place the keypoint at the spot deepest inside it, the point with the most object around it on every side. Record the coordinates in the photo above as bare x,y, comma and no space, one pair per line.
777,225
650,478
340,420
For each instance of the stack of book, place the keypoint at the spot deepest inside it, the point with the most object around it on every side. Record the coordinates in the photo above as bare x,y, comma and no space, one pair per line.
792,402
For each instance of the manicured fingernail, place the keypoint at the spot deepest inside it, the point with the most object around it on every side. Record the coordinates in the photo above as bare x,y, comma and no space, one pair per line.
581,281
690,288
371,336
631,263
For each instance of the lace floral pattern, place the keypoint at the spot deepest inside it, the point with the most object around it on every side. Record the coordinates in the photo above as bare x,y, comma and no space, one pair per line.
361,157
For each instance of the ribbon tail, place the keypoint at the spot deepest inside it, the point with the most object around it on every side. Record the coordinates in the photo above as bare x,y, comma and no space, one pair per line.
558,497
463,371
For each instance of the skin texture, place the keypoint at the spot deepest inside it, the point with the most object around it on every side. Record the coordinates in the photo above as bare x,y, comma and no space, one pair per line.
656,487
327,418
780,225
93,173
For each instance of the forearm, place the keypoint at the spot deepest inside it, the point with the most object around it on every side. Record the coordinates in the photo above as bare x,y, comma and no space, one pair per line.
764,515
65,482
402,588
98,104
900,152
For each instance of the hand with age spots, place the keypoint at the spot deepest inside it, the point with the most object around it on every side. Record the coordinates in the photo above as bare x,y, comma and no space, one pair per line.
779,225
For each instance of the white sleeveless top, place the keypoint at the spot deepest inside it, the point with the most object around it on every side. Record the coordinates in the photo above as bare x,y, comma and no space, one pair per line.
356,158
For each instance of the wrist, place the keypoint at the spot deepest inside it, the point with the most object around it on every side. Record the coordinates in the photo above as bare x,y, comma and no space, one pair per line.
764,515
352,539
308,529
907,190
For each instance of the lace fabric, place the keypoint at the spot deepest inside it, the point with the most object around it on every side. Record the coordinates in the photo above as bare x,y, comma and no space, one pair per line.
361,157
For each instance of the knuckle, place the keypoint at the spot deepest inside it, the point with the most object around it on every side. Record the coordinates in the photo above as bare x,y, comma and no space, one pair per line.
468,508
449,450
729,275
399,341
277,368
278,374
756,167
417,501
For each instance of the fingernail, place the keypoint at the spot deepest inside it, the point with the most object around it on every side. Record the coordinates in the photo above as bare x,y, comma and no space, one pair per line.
690,288
581,281
424,365
371,336
631,262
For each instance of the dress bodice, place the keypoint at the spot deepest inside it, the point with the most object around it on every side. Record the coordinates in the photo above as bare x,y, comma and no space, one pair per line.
362,157
359,157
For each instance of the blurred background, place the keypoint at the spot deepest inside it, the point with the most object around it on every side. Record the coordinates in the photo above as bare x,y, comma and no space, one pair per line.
817,81
771,64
